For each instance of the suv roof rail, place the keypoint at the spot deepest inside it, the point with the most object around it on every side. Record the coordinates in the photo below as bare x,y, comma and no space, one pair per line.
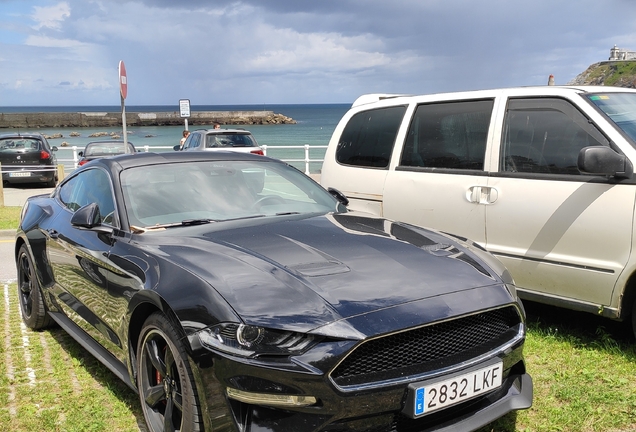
374,97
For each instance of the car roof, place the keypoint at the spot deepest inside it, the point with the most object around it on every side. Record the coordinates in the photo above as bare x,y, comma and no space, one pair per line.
108,142
223,131
22,135
545,90
126,161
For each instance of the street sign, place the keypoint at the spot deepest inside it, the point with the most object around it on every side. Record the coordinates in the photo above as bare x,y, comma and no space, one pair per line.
184,107
123,80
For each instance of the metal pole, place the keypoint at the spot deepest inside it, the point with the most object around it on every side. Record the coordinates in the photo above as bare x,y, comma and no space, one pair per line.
123,122
186,123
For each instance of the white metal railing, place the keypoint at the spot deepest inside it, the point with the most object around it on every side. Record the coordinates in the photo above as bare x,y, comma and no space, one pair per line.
72,162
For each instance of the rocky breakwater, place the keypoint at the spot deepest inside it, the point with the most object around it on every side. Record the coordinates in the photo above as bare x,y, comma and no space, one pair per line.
112,119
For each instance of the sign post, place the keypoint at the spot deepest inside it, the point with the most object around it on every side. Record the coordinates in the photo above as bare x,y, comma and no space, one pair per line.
123,91
184,110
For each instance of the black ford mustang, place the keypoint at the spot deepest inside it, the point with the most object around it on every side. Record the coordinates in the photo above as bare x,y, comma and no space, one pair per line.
233,293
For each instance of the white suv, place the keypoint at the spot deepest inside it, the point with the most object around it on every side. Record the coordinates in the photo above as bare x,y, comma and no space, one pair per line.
542,177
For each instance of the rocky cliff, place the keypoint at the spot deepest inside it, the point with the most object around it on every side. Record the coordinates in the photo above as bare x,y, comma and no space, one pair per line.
609,73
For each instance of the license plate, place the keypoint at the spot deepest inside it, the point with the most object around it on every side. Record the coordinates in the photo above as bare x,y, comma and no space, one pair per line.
20,174
432,396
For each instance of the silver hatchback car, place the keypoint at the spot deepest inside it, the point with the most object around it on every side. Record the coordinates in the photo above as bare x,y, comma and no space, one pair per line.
237,140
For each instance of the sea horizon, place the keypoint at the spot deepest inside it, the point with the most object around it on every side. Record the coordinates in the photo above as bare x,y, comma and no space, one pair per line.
162,107
314,126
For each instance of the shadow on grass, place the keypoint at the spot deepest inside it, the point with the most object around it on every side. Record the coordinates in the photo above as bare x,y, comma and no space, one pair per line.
581,330
104,377
578,328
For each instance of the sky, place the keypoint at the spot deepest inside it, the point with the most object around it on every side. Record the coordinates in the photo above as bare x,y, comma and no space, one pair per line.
66,53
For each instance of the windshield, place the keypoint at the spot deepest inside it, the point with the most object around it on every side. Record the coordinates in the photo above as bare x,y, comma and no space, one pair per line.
187,193
620,108
230,140
107,149
19,144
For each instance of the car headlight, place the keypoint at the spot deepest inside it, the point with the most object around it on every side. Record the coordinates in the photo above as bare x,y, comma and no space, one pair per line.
252,341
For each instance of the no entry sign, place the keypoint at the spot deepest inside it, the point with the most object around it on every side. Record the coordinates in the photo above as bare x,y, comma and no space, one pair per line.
123,81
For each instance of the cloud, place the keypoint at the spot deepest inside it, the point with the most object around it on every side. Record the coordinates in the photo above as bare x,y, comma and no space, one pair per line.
51,16
50,42
290,51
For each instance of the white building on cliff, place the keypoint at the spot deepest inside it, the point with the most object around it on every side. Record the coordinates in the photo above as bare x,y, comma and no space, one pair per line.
621,54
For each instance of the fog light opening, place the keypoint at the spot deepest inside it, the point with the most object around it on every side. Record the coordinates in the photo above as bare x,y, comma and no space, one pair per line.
274,400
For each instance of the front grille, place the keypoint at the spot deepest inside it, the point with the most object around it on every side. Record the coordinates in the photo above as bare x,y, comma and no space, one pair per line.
429,348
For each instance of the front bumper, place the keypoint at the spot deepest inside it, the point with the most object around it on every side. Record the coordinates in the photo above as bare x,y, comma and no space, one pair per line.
378,409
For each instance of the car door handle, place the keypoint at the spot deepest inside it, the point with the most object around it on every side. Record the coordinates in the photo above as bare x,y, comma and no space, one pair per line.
482,195
53,233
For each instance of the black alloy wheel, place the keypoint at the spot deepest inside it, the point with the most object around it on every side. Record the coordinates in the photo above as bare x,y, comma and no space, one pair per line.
32,306
164,379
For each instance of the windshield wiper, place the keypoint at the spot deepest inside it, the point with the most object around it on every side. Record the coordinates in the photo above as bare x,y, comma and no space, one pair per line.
287,213
190,222
185,222
243,217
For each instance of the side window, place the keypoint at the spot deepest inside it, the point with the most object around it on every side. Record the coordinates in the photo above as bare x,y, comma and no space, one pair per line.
91,186
545,135
369,137
68,195
194,142
448,135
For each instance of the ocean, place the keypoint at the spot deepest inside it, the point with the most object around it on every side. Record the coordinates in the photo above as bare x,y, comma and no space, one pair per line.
315,124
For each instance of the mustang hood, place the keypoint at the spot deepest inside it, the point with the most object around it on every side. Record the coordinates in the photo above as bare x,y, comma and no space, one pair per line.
307,272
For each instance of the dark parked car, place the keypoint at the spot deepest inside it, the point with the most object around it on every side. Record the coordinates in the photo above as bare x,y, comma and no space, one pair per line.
237,140
233,293
27,158
100,149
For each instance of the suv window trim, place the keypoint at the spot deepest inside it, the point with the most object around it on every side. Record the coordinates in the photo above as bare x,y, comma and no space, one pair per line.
414,118
360,135
547,98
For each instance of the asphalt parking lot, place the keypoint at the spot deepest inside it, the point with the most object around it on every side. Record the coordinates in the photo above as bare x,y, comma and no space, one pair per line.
14,196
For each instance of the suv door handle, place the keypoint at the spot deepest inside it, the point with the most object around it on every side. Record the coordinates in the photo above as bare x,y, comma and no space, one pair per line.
482,195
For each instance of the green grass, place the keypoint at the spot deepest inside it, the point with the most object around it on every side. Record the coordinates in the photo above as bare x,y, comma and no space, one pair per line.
68,390
9,217
621,71
583,369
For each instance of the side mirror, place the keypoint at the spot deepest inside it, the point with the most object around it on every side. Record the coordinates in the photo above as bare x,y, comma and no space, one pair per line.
176,148
342,199
53,148
80,154
87,216
604,161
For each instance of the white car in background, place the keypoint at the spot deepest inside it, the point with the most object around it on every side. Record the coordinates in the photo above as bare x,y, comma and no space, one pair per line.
542,177
237,140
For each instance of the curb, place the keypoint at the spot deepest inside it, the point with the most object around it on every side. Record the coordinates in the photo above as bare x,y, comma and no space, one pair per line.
7,233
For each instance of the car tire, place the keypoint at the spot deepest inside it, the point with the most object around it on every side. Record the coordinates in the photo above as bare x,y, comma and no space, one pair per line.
32,307
164,378
51,183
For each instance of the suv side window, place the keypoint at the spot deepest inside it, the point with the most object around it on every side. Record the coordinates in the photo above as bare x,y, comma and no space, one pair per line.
90,186
448,135
545,135
369,137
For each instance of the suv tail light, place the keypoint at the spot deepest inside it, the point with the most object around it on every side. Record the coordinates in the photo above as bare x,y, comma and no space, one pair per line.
258,152
44,155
